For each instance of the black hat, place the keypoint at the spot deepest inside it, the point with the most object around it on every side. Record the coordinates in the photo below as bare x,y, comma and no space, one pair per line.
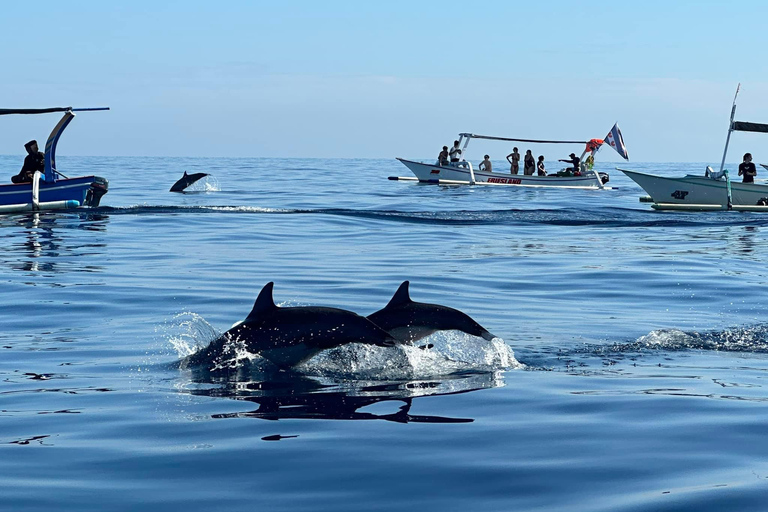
572,154
29,144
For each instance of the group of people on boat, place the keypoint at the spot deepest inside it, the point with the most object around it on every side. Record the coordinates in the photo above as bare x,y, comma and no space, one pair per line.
34,161
530,165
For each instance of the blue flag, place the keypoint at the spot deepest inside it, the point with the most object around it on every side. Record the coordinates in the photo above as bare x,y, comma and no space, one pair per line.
616,141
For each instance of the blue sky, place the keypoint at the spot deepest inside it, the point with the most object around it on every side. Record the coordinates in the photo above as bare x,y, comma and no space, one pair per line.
379,80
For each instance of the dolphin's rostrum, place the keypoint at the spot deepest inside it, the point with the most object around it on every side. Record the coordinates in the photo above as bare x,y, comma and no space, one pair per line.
290,336
409,321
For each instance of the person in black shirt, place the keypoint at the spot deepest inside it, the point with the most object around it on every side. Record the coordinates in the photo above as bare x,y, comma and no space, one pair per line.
576,162
442,158
34,161
747,169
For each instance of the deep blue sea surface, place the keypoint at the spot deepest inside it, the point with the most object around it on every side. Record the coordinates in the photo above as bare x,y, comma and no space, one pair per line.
632,375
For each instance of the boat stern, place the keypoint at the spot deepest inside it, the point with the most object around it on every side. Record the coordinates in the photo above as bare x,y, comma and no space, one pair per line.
99,187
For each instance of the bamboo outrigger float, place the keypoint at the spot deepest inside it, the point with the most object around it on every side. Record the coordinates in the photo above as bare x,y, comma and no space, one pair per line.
463,172
712,192
52,190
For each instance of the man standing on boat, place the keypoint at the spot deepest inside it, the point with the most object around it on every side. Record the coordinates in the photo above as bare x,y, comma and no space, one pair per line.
747,169
34,161
455,152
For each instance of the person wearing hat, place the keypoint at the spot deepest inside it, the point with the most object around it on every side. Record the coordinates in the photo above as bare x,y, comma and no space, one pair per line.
34,161
575,161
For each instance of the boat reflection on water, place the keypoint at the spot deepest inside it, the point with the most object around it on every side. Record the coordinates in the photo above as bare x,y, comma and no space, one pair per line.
48,242
289,395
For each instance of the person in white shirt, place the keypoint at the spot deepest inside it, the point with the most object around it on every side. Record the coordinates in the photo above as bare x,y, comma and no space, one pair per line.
455,152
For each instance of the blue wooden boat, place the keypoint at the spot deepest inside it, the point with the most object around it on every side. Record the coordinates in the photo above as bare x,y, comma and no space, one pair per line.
52,189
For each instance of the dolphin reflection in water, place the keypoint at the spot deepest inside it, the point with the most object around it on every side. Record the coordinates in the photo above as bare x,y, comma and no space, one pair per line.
291,395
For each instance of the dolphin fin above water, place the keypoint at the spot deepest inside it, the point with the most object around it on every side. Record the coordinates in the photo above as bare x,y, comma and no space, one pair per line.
187,180
290,336
264,302
409,321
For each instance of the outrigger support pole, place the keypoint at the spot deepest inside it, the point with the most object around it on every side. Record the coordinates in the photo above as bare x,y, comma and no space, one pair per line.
597,174
471,173
464,149
730,127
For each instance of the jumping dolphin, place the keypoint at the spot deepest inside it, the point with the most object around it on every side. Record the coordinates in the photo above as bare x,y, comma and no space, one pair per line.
187,180
289,336
408,321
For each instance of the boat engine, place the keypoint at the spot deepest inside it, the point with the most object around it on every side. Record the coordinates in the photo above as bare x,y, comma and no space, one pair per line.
604,177
98,188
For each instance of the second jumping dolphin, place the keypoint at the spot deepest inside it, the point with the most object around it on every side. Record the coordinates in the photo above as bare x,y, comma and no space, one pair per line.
408,321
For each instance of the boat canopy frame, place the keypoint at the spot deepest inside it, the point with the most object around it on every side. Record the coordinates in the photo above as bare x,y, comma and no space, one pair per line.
51,174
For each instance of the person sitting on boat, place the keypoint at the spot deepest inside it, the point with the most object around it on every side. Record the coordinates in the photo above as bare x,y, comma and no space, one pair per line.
747,169
529,164
589,163
576,162
514,161
442,158
541,171
455,152
485,165
34,161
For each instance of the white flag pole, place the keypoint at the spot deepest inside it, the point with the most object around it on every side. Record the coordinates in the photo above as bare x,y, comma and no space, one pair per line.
730,127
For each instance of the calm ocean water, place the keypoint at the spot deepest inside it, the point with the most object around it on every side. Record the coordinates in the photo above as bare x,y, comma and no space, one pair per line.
639,379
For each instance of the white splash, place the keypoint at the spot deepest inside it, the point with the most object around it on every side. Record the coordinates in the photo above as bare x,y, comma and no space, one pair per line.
188,332
450,352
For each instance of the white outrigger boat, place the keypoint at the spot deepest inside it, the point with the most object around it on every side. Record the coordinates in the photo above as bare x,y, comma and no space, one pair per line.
713,190
463,173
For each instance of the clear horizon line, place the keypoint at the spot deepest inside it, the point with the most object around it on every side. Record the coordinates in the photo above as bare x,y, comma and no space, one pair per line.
341,158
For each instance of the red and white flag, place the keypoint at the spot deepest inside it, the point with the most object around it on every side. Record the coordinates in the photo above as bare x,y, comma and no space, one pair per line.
616,141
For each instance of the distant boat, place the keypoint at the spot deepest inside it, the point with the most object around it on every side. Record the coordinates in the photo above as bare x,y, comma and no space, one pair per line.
713,190
700,193
463,173
52,190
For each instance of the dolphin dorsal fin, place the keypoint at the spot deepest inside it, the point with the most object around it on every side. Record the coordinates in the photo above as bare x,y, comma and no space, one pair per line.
185,174
264,301
401,296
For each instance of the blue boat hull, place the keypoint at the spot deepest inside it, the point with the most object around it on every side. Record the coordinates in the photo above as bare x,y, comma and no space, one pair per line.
86,190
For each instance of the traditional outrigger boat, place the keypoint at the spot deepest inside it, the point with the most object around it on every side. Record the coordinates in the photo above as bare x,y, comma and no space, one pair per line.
463,173
52,190
712,191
